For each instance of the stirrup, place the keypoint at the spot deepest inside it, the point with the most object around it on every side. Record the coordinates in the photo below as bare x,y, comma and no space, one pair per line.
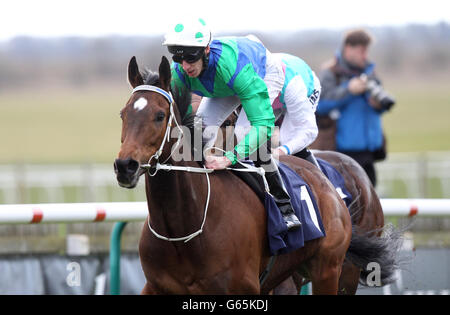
292,222
289,216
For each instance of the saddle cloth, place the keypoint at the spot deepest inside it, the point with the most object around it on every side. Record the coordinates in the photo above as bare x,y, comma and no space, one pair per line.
303,202
336,179
305,207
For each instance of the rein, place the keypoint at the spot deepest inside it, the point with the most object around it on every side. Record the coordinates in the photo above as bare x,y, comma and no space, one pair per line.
167,167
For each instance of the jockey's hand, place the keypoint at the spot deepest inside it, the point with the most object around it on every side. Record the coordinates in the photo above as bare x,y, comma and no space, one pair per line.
217,162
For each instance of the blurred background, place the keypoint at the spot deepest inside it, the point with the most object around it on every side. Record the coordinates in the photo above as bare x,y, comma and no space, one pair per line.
63,83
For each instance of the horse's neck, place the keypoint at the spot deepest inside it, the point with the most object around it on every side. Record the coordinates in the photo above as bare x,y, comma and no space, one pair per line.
176,200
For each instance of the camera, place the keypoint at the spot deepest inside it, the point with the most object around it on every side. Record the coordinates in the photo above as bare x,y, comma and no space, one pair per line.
378,93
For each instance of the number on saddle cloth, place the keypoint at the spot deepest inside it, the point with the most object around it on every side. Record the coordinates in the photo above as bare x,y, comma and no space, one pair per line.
306,209
303,202
305,206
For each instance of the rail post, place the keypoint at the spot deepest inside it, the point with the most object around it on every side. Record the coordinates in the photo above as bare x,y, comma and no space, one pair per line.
114,257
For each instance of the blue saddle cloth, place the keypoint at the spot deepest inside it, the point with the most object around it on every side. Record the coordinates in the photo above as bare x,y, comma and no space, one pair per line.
336,179
305,207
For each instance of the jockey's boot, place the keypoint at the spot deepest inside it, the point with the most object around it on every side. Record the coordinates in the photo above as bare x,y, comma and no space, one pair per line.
282,199
309,156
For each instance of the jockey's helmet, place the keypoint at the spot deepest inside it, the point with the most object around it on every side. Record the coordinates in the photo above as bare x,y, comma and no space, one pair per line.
192,33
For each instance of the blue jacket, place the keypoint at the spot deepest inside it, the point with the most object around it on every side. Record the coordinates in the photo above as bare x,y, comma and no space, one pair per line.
359,126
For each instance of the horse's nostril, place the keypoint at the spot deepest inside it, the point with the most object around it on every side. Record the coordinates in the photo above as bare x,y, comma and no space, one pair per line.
133,166
126,166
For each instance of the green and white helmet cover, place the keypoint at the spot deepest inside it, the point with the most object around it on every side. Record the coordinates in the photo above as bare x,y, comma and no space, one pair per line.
192,33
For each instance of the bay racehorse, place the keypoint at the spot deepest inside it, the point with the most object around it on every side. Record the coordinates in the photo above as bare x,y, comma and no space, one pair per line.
206,233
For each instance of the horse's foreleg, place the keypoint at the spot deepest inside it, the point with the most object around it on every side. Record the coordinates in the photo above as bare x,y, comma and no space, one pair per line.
147,290
246,286
287,287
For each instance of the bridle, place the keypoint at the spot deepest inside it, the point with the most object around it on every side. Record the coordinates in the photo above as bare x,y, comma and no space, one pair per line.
172,118
167,167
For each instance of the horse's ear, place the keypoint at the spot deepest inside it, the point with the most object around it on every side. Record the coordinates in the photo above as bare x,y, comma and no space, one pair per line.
164,73
134,76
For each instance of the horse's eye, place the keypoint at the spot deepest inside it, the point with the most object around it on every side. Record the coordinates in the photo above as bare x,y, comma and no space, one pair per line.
160,116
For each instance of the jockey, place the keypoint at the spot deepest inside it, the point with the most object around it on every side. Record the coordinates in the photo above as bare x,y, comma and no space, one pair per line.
228,72
294,108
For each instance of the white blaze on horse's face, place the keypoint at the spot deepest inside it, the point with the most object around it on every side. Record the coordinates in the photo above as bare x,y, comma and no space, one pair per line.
140,104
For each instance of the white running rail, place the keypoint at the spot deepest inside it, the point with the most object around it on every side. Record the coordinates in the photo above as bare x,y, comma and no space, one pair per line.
137,211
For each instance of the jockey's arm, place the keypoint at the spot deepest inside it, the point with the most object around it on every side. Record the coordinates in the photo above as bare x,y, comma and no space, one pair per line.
252,91
299,128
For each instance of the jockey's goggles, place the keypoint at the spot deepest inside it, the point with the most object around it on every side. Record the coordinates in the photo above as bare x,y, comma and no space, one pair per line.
188,54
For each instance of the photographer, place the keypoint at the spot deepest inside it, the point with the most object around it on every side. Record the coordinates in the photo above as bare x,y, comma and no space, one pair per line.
351,105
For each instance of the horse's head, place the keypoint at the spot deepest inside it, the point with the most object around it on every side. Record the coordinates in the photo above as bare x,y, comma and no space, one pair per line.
144,122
